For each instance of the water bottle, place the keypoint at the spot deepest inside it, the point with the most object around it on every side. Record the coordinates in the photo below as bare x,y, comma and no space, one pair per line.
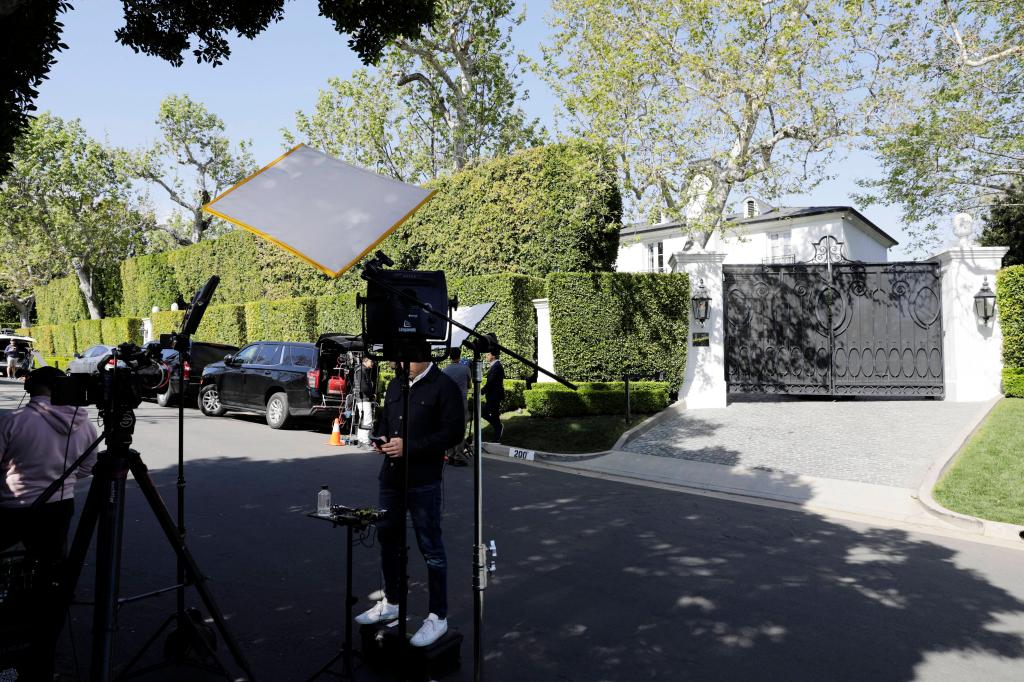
323,502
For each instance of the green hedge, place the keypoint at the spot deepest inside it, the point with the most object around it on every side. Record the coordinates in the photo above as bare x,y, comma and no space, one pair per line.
514,395
64,340
604,325
290,319
58,361
1013,382
60,302
43,334
513,318
547,209
338,314
1010,304
118,330
555,400
166,321
88,333
151,283
223,324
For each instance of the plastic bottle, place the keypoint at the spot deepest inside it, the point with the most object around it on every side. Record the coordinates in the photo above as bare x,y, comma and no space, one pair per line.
323,502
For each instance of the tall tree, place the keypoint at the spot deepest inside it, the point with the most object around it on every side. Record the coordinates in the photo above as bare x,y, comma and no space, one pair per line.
437,102
73,201
1004,225
25,261
951,138
700,98
192,162
30,37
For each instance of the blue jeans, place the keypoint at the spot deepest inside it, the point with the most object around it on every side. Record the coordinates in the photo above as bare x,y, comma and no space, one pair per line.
425,510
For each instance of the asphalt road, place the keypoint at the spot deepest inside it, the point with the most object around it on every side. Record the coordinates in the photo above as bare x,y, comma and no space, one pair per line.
597,580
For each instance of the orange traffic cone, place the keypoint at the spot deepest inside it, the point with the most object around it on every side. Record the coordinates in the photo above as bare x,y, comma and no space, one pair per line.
336,433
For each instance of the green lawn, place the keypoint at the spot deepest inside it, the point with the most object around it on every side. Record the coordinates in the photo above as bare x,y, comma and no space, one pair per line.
987,480
561,434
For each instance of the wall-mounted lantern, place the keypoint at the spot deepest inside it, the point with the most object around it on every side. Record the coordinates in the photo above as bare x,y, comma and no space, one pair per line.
701,302
985,302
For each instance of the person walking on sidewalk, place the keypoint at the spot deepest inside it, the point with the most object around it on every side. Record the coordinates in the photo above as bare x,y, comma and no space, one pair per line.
494,393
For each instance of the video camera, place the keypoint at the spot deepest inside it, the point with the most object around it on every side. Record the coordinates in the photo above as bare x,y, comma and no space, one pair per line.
123,378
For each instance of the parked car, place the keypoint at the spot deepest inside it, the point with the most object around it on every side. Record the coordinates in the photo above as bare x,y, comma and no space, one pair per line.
201,354
282,380
86,361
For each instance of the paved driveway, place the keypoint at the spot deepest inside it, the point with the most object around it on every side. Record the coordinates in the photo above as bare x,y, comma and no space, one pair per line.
889,443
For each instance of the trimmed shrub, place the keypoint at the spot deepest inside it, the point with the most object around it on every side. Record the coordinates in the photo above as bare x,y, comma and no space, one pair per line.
43,334
88,333
1013,382
514,390
555,400
166,321
513,317
60,302
118,330
338,314
1010,304
289,319
604,325
546,209
147,281
223,324
64,340
23,331
58,361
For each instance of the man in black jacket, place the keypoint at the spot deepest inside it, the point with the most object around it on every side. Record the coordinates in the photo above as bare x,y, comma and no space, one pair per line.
435,424
494,393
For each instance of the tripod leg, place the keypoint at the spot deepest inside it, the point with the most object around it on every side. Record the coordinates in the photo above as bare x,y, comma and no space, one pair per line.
141,474
108,572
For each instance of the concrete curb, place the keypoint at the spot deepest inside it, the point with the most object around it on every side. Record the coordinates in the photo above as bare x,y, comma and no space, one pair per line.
633,433
971,524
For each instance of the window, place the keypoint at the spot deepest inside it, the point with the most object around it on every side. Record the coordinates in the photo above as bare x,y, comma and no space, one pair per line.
751,208
779,246
300,356
247,354
656,257
270,354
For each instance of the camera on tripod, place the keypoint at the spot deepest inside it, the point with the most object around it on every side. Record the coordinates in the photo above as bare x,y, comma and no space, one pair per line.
123,378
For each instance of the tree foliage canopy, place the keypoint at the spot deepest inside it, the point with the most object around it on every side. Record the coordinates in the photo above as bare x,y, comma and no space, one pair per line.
1004,225
701,97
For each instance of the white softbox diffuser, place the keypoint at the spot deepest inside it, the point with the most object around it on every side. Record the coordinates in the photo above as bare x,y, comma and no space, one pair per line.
325,211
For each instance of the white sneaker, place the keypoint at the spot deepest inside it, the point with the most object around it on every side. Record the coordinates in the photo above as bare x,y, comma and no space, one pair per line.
379,612
432,628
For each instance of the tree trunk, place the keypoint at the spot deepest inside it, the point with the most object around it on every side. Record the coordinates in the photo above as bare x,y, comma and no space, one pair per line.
715,209
24,307
85,286
198,224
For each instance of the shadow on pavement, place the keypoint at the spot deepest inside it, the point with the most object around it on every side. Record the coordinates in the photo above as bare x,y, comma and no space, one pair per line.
596,580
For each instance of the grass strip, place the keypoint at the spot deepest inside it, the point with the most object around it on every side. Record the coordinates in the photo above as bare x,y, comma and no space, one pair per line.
987,479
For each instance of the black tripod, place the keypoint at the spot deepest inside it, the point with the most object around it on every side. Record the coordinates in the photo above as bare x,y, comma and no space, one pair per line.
103,514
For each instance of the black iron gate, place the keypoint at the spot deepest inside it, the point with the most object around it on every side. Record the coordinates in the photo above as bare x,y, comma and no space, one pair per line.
834,327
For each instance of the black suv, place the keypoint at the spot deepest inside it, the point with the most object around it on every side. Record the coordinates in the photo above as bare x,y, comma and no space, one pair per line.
200,355
277,378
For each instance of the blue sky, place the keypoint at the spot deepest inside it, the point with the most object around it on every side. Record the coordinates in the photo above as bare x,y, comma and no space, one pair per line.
116,93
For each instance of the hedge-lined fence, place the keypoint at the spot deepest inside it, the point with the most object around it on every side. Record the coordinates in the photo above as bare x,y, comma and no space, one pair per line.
605,325
1010,305
595,398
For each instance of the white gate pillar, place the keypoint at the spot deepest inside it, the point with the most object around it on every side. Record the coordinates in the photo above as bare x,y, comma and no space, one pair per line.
545,349
704,381
971,349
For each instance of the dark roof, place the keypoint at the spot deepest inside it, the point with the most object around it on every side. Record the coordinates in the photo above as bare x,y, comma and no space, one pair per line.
782,213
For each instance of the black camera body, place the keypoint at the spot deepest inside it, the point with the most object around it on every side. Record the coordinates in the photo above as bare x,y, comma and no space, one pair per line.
135,374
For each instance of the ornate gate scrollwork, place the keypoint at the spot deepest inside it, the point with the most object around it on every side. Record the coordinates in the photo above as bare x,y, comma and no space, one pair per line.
834,327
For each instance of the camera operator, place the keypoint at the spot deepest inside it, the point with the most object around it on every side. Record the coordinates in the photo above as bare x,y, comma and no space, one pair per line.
365,386
36,444
435,424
